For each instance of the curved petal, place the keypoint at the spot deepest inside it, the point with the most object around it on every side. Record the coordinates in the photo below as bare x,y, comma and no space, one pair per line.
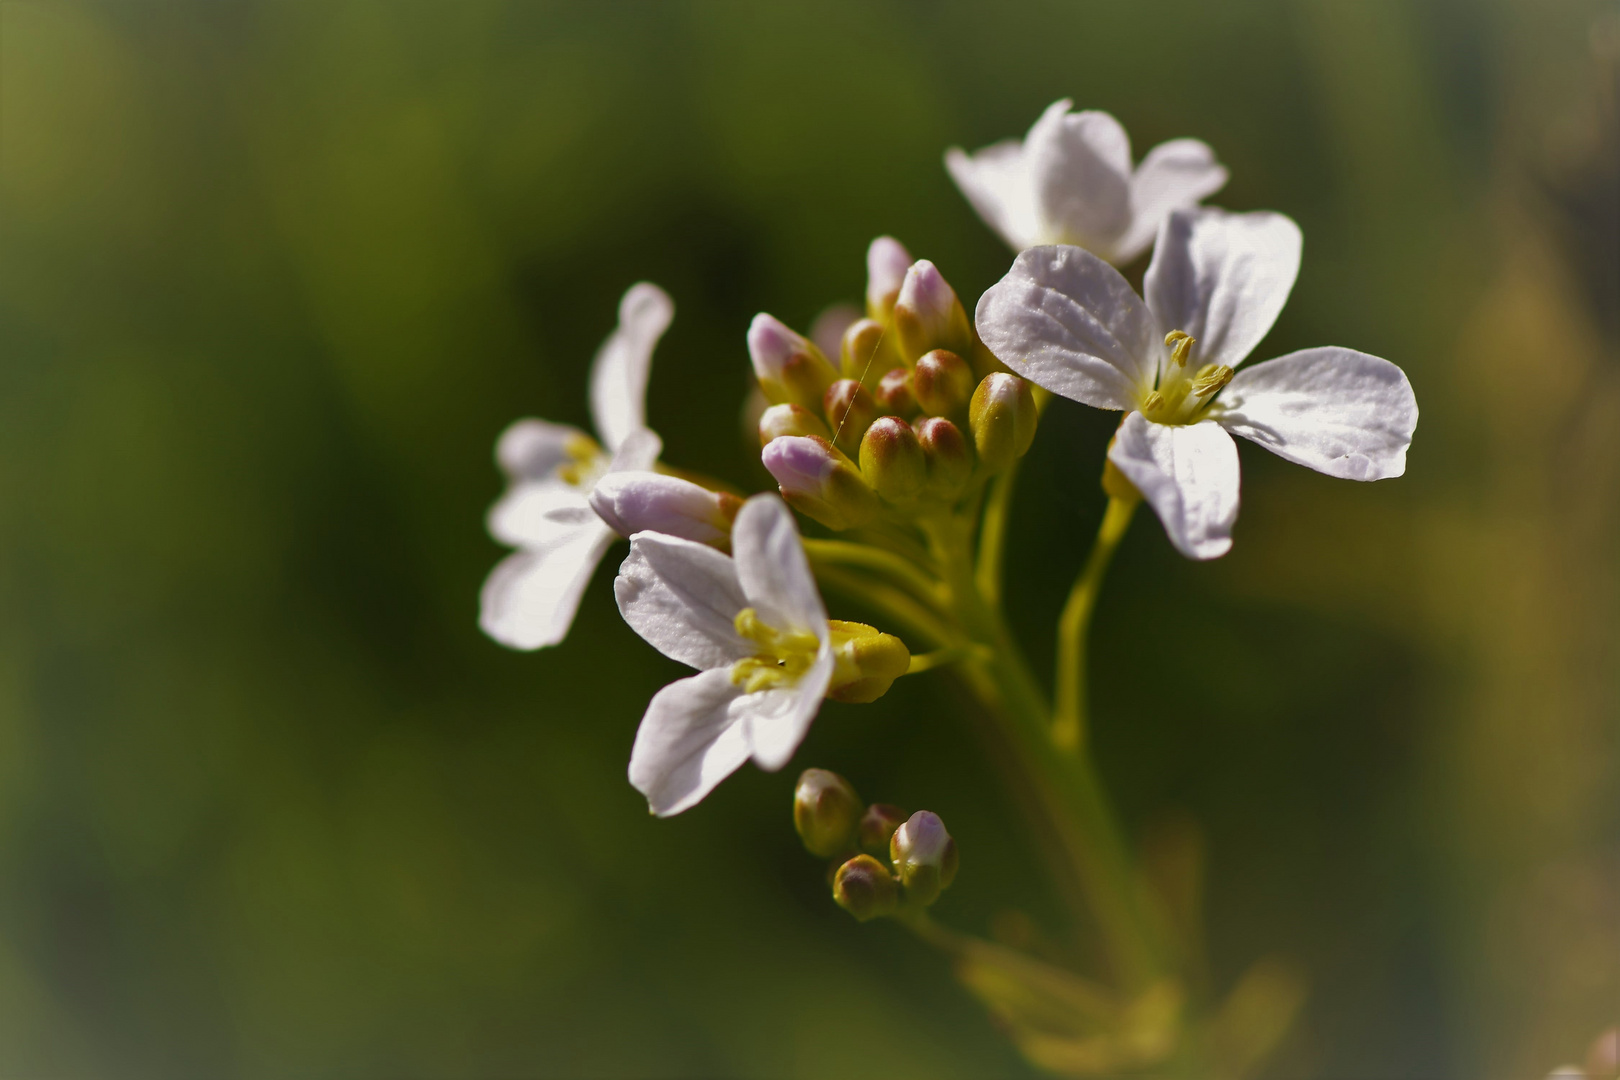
1080,171
638,451
1223,278
536,515
996,181
1064,319
1337,411
619,372
778,719
533,449
529,599
1175,174
690,739
683,598
1188,474
634,501
772,568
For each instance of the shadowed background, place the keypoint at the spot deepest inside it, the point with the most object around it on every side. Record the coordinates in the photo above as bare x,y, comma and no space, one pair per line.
273,276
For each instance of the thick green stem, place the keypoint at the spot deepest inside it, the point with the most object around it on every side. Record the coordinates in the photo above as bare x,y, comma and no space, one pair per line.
1069,721
993,536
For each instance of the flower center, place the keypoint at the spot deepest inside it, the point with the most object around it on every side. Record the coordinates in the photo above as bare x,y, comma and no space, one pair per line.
782,657
1182,396
585,465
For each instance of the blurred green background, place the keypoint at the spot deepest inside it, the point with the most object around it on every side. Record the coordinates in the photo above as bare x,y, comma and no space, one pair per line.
274,275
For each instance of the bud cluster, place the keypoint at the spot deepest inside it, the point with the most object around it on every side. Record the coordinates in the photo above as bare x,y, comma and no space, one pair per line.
916,410
832,822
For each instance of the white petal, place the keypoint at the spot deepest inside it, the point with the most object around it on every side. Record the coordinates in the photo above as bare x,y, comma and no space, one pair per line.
533,449
1338,411
1188,474
683,598
635,501
690,739
619,372
1175,174
996,181
638,451
778,719
1080,170
1223,278
771,565
530,598
539,514
1064,319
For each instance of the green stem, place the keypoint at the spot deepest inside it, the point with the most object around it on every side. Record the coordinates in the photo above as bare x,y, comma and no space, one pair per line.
993,536
1069,723
867,557
921,662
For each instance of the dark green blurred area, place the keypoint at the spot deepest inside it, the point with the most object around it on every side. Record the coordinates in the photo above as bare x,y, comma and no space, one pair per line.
273,276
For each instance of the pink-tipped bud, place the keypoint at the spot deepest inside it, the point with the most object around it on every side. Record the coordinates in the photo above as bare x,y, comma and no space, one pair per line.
924,857
1003,417
894,395
886,263
780,420
892,459
950,460
817,479
789,366
877,827
632,502
927,314
868,351
865,888
943,383
827,812
850,410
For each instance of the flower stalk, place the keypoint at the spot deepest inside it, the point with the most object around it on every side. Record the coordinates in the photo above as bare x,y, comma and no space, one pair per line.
1069,716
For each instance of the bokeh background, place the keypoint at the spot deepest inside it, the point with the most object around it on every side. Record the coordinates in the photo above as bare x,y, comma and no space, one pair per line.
273,275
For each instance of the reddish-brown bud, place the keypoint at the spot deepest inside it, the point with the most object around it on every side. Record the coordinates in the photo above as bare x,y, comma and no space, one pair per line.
892,459
943,383
950,460
850,410
894,393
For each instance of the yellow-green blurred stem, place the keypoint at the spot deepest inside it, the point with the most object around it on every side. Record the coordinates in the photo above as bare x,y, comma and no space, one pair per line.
1069,721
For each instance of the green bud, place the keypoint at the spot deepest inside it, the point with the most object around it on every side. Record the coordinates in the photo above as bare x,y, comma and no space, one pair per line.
850,410
867,661
817,479
788,365
877,827
950,461
892,459
924,857
780,420
943,383
868,351
894,394
1003,416
826,811
865,888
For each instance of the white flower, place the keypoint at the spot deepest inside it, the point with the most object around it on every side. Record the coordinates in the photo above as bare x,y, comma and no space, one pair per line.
1066,320
1071,182
530,598
754,627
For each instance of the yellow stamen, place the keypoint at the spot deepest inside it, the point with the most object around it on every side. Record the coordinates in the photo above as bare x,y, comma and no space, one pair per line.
1154,402
585,459
1181,344
782,657
1210,379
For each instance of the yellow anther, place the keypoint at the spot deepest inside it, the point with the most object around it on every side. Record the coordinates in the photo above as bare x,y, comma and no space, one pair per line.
1181,344
585,460
1210,379
1154,402
782,656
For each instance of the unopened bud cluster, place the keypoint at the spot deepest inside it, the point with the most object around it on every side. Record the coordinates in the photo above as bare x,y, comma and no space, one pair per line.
834,824
915,411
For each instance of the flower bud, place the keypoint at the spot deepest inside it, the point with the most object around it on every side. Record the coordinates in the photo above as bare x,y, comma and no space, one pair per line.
943,383
780,420
945,449
789,366
894,395
866,662
886,263
830,326
827,812
865,888
927,314
632,502
1002,415
868,351
924,857
877,827
892,459
818,480
849,410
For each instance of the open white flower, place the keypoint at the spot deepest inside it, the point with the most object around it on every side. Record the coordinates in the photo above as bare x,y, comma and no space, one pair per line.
1066,320
1070,181
754,627
530,598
